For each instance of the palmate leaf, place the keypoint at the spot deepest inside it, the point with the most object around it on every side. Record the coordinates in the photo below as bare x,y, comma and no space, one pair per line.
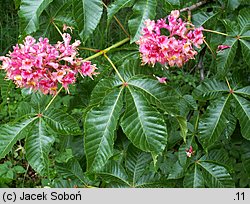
29,13
61,122
143,124
38,145
242,113
87,16
225,57
215,175
214,121
136,163
11,133
210,89
142,10
245,48
117,6
100,124
194,177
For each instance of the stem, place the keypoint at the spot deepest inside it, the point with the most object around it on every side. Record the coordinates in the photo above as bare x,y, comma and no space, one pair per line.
107,49
209,48
195,6
57,28
213,31
228,84
200,63
89,49
53,99
112,64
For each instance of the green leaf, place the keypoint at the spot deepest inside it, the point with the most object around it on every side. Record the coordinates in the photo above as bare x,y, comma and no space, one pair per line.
232,27
103,87
38,145
194,178
72,170
29,14
39,101
225,57
87,15
100,124
245,156
177,171
11,133
245,91
242,112
245,48
143,124
131,67
220,156
156,93
244,20
19,169
136,163
61,122
5,88
210,89
142,10
202,17
174,2
151,180
183,126
117,6
214,121
233,4
113,171
61,13
216,176
189,99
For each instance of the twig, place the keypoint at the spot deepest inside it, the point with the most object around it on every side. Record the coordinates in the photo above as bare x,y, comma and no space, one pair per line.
195,6
114,67
107,49
53,98
117,20
200,62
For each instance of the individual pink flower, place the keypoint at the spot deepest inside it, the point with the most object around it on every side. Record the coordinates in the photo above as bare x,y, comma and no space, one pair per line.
222,47
87,69
162,80
189,151
66,27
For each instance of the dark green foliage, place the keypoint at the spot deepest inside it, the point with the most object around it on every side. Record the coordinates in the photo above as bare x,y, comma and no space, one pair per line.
125,128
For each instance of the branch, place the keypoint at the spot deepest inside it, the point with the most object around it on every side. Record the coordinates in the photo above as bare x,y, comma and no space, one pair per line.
200,63
195,6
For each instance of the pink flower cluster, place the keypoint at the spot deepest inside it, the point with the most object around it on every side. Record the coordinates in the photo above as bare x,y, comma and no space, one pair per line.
42,66
175,48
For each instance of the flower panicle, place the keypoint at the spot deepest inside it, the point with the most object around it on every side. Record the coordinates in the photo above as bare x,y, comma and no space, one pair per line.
174,49
39,65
